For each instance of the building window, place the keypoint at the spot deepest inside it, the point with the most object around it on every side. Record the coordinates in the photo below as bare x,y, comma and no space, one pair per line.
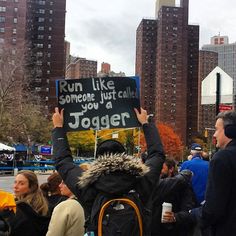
15,9
14,31
50,19
15,0
49,37
2,19
48,72
46,98
2,30
1,40
42,11
40,36
41,28
41,2
13,52
41,19
15,20
50,11
39,45
37,89
39,63
14,41
49,45
51,3
2,9
39,54
50,28
48,63
49,54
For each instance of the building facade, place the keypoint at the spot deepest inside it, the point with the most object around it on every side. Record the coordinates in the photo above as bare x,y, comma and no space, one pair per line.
167,53
39,27
81,68
206,115
226,57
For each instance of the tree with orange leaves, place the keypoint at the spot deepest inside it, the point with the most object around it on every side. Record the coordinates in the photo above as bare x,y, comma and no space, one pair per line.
171,141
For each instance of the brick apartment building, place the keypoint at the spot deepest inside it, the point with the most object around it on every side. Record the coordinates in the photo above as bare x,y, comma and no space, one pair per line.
39,26
207,63
81,68
167,51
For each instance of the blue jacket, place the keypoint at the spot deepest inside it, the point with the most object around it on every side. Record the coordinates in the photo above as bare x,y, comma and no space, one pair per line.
199,167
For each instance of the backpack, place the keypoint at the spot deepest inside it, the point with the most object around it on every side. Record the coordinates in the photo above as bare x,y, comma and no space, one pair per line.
117,216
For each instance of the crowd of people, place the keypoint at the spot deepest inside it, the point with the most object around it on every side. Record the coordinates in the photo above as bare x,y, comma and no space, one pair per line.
95,199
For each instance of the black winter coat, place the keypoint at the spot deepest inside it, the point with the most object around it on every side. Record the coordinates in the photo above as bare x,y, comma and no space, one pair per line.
219,211
113,182
178,191
27,222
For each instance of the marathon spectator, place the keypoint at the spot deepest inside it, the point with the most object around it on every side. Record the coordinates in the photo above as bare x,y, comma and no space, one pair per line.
219,210
199,167
31,207
67,217
97,179
169,168
52,191
176,190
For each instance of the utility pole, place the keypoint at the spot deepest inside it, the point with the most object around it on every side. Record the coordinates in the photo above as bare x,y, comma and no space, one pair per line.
218,93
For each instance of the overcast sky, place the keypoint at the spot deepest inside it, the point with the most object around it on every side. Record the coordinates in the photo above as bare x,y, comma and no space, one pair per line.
105,30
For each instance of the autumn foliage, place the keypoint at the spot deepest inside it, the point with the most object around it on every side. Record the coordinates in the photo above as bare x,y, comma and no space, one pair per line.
171,141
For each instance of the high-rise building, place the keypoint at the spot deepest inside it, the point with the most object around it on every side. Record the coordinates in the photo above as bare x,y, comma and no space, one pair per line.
167,53
206,113
226,57
105,68
39,26
81,68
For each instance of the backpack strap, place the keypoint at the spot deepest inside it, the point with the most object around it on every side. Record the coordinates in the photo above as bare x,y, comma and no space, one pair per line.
124,200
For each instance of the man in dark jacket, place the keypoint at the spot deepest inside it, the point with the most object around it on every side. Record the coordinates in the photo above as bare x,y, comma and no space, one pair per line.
111,173
219,210
176,190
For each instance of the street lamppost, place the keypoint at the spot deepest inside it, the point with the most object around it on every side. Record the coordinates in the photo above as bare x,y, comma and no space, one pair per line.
207,136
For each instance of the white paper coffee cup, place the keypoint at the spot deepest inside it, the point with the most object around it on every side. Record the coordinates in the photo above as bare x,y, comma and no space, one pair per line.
166,207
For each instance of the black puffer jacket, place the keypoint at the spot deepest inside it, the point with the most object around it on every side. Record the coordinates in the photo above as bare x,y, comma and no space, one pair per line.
5,215
110,175
178,191
27,222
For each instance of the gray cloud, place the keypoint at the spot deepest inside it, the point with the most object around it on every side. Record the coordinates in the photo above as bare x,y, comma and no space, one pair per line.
105,30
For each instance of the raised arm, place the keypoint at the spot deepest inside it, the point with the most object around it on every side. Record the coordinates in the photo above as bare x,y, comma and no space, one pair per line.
62,153
155,151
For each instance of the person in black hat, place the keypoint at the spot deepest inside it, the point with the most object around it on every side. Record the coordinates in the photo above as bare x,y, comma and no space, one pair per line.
199,167
113,172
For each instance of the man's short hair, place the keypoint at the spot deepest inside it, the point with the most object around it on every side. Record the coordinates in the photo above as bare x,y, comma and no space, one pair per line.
170,163
229,121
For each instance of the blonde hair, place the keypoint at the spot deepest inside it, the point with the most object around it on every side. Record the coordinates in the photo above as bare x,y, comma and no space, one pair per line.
35,196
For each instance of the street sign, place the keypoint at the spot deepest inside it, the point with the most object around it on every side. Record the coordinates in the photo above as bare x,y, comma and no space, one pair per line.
223,107
45,150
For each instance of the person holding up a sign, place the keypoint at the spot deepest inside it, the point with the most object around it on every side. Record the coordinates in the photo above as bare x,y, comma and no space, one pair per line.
110,173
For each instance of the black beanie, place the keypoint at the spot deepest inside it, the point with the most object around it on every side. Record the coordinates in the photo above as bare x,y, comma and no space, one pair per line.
109,146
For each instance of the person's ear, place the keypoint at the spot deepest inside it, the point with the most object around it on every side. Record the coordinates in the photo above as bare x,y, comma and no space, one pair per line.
230,131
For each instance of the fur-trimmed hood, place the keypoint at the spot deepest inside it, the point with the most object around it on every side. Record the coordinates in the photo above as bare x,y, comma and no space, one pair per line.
112,163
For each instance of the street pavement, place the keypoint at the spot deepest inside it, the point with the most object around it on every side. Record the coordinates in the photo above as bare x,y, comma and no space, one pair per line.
7,181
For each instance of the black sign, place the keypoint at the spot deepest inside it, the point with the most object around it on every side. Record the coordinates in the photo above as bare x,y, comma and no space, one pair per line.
99,103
